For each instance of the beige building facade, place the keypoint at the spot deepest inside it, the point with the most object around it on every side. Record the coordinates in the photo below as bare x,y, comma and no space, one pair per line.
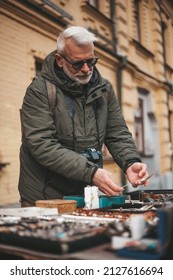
135,50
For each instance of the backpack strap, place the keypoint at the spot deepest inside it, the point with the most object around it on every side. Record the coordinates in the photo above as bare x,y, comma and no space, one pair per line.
51,91
21,124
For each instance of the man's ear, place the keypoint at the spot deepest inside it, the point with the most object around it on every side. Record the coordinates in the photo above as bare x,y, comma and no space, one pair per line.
59,60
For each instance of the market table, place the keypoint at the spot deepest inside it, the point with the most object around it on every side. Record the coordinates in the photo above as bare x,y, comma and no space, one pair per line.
101,252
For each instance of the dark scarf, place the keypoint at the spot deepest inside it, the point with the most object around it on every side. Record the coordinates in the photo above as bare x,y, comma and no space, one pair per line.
92,83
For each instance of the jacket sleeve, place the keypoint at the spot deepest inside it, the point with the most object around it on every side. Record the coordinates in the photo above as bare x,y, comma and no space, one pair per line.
118,138
40,138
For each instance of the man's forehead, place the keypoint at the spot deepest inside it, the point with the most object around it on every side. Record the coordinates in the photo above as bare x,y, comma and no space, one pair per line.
74,50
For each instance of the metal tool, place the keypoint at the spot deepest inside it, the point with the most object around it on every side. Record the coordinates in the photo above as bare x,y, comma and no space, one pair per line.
145,179
142,190
142,180
124,186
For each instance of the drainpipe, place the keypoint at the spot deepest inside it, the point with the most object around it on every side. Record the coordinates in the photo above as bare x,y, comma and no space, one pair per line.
122,64
114,28
169,92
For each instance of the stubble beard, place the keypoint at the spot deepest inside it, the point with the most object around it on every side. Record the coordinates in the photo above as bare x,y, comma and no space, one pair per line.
75,77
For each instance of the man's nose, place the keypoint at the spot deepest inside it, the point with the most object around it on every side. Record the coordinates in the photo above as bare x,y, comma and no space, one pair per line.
85,68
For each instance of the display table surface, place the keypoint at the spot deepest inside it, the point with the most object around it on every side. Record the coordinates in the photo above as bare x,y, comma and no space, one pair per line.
102,252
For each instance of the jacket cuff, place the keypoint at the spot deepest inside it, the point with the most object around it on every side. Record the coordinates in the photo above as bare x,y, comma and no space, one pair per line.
129,163
93,173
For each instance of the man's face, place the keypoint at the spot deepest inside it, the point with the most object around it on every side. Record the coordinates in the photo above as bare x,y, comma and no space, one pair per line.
77,62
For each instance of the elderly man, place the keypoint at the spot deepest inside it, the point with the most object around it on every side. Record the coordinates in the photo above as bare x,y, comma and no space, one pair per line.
61,152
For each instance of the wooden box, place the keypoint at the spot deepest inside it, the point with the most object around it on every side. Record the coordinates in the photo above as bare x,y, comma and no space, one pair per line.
63,206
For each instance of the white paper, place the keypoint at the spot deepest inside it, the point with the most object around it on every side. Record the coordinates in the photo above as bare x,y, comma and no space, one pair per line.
91,197
28,211
137,226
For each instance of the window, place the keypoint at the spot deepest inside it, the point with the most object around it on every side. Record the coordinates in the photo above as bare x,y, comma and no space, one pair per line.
102,7
145,124
167,29
139,127
93,3
163,25
38,66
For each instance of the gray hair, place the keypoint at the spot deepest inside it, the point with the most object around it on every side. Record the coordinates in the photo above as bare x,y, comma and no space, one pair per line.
80,36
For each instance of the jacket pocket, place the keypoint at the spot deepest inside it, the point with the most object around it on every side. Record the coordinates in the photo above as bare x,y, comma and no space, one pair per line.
63,185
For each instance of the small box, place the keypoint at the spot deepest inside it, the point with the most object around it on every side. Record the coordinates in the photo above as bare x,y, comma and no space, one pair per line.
108,201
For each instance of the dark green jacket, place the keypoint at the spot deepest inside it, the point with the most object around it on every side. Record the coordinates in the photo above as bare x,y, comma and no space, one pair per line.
51,164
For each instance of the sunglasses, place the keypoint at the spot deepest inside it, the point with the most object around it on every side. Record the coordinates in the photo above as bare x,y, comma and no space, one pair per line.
79,64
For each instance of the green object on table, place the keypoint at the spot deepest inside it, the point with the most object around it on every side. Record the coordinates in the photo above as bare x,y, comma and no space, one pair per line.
104,201
80,199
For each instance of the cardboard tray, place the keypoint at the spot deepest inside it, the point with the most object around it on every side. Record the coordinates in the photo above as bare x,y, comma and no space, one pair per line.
52,236
54,247
63,206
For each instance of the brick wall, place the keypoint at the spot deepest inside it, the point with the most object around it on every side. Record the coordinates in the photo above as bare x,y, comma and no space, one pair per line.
22,39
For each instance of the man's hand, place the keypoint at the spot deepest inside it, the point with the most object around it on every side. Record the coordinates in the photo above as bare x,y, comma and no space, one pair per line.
137,173
104,180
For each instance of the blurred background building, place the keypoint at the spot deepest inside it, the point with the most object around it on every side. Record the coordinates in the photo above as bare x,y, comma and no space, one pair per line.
135,50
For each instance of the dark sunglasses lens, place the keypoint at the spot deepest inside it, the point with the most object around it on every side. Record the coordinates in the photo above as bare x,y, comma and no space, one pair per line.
90,63
78,65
